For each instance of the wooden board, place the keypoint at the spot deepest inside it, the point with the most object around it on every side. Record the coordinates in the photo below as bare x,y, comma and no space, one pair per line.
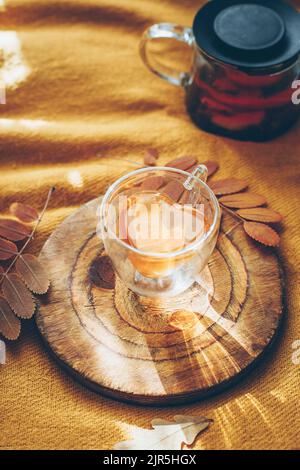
139,350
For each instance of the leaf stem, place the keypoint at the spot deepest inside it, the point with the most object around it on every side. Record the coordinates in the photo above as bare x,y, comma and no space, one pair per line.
50,192
231,212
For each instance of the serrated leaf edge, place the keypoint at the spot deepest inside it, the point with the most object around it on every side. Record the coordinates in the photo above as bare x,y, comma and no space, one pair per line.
11,306
259,241
11,338
24,280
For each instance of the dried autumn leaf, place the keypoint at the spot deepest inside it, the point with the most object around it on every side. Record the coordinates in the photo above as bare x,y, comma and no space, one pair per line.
150,157
149,160
153,182
24,212
228,186
182,163
260,214
7,249
10,325
211,166
13,230
167,435
153,152
33,274
262,233
18,296
243,200
173,189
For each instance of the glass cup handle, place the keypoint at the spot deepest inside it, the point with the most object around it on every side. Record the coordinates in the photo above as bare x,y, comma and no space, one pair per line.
200,172
170,31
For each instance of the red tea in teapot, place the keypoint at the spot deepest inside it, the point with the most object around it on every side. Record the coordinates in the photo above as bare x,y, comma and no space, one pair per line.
245,67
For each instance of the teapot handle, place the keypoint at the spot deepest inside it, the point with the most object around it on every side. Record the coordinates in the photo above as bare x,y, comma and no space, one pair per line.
163,31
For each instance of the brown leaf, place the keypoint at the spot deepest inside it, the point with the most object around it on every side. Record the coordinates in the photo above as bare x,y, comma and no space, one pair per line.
14,230
183,320
243,200
260,214
24,212
153,182
18,296
7,249
182,163
10,325
149,160
33,273
150,157
262,233
102,273
228,186
153,152
173,189
211,166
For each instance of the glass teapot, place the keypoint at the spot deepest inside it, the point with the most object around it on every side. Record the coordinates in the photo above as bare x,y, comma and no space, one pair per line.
244,70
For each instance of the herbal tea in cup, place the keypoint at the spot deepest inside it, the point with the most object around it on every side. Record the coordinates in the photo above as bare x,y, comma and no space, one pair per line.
159,227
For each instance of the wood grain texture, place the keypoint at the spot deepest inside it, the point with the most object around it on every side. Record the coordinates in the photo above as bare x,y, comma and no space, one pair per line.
128,348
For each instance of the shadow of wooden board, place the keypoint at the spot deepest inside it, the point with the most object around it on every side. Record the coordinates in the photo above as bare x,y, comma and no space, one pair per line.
126,347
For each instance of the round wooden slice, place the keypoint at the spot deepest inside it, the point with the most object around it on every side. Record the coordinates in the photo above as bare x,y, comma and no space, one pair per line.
153,351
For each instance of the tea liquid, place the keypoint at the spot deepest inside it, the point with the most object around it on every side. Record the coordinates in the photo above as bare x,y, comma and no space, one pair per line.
153,223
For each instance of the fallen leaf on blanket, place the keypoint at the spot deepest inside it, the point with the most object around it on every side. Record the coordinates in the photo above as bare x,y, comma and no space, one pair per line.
17,299
7,249
228,186
260,214
14,230
150,157
10,325
153,152
243,200
33,274
211,166
262,233
149,160
167,435
182,163
18,296
24,212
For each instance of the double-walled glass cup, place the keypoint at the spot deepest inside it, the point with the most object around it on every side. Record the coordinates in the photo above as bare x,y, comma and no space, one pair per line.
159,227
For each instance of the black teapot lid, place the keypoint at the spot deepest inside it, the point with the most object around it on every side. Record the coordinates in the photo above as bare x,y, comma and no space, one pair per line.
250,35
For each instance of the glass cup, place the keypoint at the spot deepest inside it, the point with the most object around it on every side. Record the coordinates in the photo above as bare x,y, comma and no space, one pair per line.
159,227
